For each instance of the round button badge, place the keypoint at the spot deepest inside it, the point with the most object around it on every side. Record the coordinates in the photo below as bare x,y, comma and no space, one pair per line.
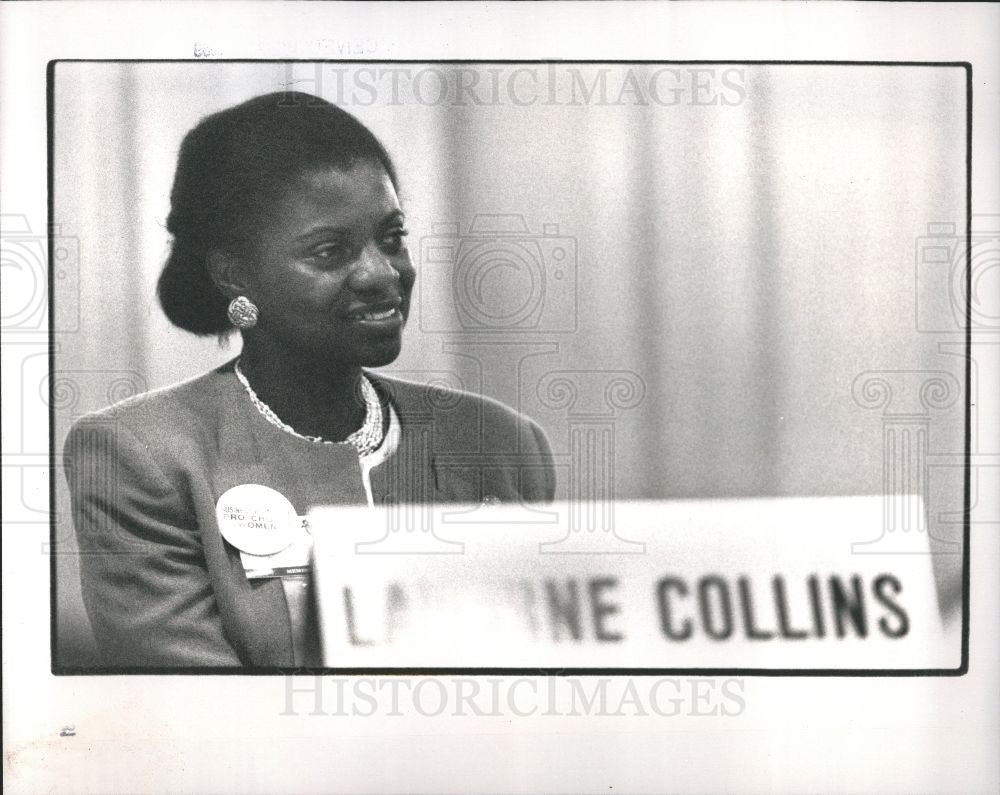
256,519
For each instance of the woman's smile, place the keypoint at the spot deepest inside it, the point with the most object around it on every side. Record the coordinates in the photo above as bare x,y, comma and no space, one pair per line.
384,315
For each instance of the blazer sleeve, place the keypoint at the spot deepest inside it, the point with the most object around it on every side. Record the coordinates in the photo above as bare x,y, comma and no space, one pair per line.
145,582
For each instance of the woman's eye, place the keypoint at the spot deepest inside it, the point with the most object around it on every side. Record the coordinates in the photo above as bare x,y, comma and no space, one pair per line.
331,253
393,240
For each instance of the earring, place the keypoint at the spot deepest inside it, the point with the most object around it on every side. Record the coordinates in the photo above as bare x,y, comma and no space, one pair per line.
242,312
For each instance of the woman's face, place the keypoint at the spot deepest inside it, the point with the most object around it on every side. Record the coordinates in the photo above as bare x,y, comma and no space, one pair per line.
331,274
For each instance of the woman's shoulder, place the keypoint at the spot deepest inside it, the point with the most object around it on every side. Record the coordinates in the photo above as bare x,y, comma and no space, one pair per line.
477,429
416,398
456,412
172,407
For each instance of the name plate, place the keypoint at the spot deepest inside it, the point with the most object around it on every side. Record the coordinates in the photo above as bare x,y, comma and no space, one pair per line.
762,584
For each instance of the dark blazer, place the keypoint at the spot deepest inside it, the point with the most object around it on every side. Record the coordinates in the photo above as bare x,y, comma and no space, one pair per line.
160,584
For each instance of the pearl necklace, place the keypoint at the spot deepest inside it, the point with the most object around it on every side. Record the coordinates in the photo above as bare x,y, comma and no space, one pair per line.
367,438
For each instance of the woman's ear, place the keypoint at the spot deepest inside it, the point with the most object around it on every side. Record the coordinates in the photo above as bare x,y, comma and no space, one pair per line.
229,274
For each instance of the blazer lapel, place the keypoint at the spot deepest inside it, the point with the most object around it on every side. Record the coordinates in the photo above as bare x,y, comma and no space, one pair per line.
251,450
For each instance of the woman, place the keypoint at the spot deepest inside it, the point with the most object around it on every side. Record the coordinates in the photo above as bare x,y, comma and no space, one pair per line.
287,227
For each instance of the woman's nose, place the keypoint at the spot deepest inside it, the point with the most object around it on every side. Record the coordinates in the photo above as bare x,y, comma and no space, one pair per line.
374,271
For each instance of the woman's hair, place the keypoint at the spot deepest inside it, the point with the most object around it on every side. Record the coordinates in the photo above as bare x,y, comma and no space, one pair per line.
231,168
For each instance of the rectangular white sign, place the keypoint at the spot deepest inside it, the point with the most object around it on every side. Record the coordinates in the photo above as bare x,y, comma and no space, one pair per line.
750,584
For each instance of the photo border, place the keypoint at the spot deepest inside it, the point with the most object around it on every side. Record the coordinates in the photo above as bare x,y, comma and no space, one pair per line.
70,670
